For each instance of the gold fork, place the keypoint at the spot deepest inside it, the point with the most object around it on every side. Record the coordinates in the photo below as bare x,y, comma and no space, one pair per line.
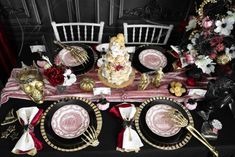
182,122
90,137
80,56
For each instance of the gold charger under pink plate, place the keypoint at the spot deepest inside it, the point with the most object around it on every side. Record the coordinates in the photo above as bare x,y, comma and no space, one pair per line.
70,121
152,59
159,122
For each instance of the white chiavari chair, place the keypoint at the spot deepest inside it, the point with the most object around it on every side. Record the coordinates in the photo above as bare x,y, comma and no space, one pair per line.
78,32
147,34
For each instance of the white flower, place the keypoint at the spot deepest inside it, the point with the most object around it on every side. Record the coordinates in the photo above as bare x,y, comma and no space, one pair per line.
69,78
193,40
205,63
231,15
224,27
190,47
192,24
192,50
230,51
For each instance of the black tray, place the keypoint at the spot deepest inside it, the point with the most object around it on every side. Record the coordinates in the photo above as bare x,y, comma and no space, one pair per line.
73,144
167,143
135,59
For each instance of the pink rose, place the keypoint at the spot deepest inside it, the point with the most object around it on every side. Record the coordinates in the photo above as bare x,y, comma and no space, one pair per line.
207,23
213,55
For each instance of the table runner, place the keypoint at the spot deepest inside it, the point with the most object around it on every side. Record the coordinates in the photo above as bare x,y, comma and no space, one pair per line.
129,94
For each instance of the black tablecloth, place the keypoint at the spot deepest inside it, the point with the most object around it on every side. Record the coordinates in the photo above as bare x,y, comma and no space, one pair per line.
111,126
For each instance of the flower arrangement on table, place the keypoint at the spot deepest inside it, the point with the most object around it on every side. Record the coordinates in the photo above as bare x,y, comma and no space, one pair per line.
211,40
57,74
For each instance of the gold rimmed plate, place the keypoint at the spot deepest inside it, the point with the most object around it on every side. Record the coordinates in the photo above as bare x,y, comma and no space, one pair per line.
64,122
155,127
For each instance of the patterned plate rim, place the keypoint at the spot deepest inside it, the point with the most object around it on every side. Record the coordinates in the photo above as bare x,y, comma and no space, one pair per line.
155,51
163,146
98,120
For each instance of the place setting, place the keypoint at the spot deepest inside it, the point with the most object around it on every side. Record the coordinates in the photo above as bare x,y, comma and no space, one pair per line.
80,58
71,124
149,58
166,124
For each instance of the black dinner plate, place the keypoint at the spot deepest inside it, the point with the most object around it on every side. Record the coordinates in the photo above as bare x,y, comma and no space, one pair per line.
136,62
172,142
83,68
73,144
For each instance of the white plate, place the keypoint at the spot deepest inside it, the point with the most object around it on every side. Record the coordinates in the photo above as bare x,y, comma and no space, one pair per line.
104,48
159,122
152,59
70,121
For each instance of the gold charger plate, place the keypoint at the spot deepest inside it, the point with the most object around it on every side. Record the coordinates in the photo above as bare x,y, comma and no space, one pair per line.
73,144
166,143
124,84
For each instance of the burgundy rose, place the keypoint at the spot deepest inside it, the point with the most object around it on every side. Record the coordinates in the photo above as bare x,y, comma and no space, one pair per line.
191,81
55,75
219,47
118,67
216,40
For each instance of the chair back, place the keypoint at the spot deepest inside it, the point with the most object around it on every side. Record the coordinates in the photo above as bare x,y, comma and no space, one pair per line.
147,34
78,32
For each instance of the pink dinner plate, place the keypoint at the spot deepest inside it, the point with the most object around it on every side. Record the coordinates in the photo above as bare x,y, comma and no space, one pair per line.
70,121
159,122
152,59
65,57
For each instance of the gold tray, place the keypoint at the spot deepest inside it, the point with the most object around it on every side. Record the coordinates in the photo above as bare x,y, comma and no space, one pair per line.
124,84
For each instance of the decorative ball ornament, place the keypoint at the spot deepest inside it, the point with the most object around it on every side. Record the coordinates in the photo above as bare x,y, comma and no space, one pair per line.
87,84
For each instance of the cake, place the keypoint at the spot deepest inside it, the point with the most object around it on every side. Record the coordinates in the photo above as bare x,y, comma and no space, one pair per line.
116,67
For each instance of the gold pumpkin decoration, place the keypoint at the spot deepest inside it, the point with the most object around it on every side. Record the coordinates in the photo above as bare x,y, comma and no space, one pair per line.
87,84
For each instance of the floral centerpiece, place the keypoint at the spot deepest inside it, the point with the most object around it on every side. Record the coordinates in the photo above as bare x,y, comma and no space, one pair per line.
211,40
57,74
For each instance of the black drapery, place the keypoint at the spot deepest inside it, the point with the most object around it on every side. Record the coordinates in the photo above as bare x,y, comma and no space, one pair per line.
7,56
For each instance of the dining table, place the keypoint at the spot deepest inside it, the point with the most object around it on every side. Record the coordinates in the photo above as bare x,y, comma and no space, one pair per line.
13,98
225,143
